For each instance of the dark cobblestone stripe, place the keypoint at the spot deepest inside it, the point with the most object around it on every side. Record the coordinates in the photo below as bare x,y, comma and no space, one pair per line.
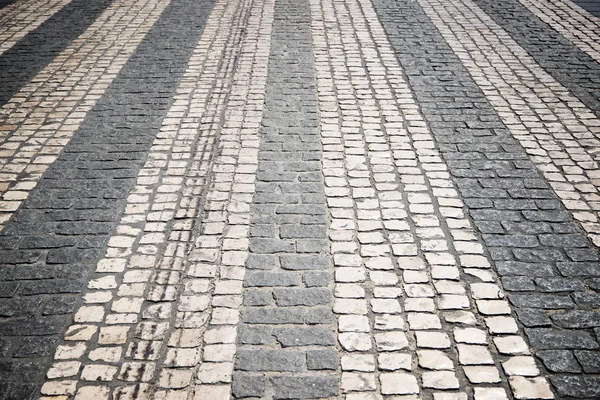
55,239
19,64
287,295
4,3
570,66
548,268
591,6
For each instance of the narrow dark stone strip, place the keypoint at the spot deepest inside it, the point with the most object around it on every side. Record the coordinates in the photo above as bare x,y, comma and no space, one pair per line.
546,263
591,6
23,61
53,242
4,3
570,66
287,295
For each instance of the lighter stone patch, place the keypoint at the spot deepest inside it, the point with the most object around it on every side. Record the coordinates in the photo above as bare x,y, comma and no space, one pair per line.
434,359
530,388
398,383
520,365
482,374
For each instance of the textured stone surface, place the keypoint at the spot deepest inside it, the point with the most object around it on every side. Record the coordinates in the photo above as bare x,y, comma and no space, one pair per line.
493,175
80,200
288,219
359,199
589,5
20,63
573,68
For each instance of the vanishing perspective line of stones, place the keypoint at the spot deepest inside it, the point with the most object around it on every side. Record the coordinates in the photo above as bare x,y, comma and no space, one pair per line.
299,199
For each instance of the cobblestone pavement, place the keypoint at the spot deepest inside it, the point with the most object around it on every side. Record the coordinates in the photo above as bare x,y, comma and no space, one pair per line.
299,199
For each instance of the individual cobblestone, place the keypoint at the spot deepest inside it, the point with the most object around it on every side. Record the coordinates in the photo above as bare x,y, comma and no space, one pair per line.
287,209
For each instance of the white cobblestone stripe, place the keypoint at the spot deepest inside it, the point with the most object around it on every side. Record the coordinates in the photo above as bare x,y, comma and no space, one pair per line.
161,285
410,323
22,17
41,118
571,21
558,132
221,248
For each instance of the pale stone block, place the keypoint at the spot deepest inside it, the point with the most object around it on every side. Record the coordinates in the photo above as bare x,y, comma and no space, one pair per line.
352,341
80,332
434,359
520,365
440,380
358,362
59,388
93,392
98,372
530,388
474,355
501,325
354,323
215,372
482,374
470,335
63,369
511,345
107,354
486,291
398,383
394,361
113,334
422,321
433,340
175,378
357,382
389,341
216,392
70,351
